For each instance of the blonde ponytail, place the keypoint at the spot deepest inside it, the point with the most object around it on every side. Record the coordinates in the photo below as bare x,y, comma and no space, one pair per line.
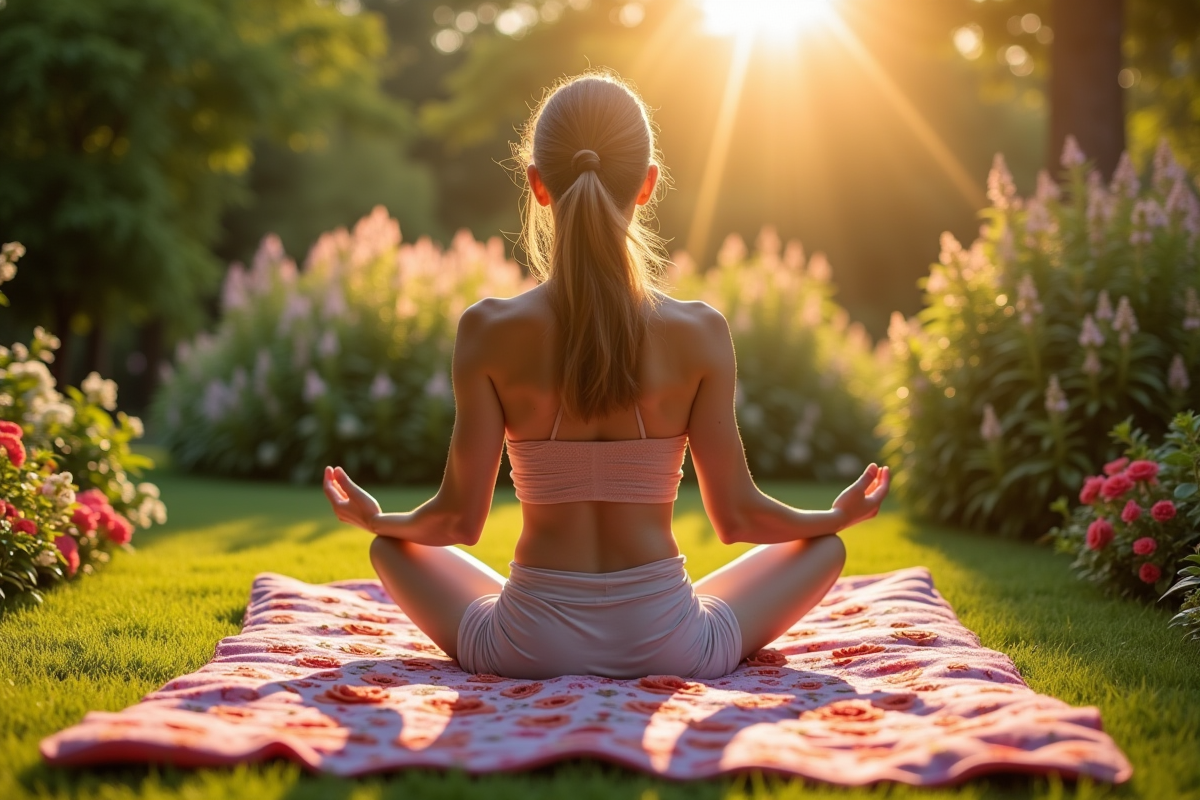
592,144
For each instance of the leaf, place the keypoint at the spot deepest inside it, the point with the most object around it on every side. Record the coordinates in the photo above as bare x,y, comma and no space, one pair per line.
1185,490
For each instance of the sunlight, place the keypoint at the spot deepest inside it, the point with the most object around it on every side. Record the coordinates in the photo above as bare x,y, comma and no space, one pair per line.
777,19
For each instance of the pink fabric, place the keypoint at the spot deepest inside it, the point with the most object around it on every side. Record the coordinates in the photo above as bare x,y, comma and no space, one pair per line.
630,623
625,471
879,683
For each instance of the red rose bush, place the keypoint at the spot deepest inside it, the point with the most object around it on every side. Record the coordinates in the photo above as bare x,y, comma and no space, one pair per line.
66,495
1137,523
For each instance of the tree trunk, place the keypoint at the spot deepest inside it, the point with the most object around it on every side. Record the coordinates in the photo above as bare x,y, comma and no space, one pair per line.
1085,99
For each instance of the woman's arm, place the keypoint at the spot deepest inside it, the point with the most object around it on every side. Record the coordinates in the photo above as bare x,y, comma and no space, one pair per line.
455,515
739,511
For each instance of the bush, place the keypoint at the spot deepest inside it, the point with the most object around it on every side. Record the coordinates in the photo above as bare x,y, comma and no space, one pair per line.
345,362
806,387
54,445
1072,311
1139,520
1189,614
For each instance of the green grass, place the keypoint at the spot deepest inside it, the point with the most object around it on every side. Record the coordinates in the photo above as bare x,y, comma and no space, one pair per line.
103,642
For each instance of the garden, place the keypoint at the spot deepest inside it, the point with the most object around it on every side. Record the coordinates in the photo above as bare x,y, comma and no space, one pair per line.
165,420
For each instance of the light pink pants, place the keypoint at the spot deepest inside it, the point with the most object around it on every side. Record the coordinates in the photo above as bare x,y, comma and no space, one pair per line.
642,621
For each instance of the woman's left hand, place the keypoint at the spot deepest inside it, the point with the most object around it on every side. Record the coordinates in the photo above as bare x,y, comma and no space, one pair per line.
351,503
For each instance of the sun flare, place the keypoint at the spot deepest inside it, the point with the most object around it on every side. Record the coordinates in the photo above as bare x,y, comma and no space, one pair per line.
772,18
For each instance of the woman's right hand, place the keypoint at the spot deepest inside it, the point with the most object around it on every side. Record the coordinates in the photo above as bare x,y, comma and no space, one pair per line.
861,500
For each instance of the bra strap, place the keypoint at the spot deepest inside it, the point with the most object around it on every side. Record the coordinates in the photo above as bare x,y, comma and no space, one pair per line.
641,426
557,419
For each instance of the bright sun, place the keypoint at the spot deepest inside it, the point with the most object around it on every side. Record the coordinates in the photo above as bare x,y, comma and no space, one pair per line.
774,18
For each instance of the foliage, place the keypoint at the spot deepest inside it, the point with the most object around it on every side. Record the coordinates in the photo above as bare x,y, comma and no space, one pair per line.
1069,313
805,376
1010,42
1189,615
1138,520
129,126
344,362
45,535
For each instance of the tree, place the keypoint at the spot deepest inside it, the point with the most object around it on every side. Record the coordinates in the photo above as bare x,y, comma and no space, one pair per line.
129,126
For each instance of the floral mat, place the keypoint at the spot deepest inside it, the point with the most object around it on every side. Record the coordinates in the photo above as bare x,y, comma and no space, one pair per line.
879,683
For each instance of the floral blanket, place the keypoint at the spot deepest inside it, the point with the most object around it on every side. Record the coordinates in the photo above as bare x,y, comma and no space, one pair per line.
879,683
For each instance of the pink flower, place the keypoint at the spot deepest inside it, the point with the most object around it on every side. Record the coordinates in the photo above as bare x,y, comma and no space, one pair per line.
1113,467
1116,486
9,509
1131,512
1145,546
8,428
93,498
25,526
1163,511
85,519
1142,470
118,529
1099,534
70,550
1091,489
1149,573
13,448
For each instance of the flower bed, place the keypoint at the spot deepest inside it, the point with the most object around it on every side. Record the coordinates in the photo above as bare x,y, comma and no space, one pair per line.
1076,308
345,361
53,446
1139,520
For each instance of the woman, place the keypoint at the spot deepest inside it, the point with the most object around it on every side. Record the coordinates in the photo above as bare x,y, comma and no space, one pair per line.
597,381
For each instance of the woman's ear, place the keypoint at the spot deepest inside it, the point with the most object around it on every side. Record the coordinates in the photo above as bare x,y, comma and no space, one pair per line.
647,190
540,193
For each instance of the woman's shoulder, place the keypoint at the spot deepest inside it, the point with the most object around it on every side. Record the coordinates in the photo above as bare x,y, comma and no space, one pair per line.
691,319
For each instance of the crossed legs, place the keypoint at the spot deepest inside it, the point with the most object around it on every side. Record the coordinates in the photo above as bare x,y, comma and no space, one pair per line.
768,588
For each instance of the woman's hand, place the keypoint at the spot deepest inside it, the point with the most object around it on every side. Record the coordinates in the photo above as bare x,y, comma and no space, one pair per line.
350,501
861,500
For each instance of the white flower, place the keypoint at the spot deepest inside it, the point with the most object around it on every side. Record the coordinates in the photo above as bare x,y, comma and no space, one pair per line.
349,426
1125,181
100,391
990,429
1056,398
951,249
438,386
798,452
149,490
1037,222
1028,305
752,415
314,387
233,291
297,307
267,454
136,427
1124,322
1091,363
1166,169
1191,309
1104,309
847,465
1177,375
1047,189
1000,187
1072,155
382,387
58,487
328,345
334,305
54,413
1090,336
46,558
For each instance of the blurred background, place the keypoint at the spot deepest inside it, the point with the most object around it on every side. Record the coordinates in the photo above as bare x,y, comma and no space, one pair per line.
147,144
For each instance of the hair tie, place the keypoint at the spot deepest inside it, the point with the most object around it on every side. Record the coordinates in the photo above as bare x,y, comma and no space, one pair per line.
584,161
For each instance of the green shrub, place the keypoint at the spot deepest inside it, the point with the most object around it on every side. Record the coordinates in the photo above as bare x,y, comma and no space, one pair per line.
1074,309
806,391
344,362
1137,522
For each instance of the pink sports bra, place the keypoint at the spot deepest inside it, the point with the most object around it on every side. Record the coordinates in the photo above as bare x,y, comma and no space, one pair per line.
625,471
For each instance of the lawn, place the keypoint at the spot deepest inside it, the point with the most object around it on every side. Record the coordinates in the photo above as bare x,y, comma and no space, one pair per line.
157,613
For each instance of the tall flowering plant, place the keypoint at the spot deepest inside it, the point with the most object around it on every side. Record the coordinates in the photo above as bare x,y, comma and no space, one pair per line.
807,402
1139,519
1075,308
344,361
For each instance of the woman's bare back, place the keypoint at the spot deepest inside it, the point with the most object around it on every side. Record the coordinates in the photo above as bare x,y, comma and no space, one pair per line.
521,344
